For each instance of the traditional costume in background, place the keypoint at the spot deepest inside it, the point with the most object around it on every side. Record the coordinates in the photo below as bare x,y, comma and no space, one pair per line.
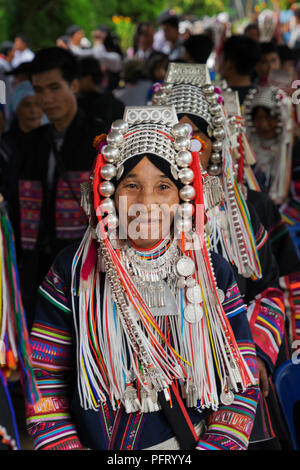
50,168
143,349
232,222
277,171
14,342
273,168
272,421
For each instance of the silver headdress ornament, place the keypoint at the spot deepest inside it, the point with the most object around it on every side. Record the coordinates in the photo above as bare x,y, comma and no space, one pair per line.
189,89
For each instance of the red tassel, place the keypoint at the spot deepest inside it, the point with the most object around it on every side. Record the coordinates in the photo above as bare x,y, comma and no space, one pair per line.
100,162
199,199
90,260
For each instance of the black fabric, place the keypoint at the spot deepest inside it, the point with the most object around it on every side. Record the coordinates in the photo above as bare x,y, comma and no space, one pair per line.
101,105
242,91
201,124
270,273
177,421
281,241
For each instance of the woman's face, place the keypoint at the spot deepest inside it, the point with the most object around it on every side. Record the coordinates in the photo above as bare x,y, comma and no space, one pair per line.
265,125
146,200
205,153
29,113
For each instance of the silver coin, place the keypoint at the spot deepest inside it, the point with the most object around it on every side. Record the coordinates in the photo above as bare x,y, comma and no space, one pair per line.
227,398
185,266
193,313
221,295
194,295
190,282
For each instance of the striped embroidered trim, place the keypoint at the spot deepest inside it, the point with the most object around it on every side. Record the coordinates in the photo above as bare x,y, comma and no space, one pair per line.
52,289
233,303
261,237
132,432
230,427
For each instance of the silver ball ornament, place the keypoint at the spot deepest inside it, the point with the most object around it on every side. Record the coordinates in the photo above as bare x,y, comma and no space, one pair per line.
110,153
184,158
120,126
186,175
187,193
108,171
115,138
106,189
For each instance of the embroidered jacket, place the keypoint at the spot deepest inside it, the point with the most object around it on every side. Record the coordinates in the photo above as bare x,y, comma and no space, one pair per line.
59,422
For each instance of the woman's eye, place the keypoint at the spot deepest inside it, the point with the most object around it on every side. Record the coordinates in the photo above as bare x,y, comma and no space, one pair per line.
164,186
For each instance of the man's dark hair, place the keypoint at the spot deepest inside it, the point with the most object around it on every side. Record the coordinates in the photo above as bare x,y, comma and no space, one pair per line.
243,52
286,53
51,58
6,47
133,70
268,48
71,30
172,21
23,37
157,60
89,66
199,47
251,26
297,13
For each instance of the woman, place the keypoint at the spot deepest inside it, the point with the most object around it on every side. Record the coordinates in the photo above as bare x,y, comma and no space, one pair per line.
268,114
140,303
199,104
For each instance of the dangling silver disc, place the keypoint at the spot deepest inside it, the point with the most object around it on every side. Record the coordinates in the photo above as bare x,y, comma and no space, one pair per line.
185,266
221,295
194,295
193,313
227,398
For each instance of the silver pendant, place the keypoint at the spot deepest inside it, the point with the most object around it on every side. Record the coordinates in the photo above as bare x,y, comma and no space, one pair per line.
169,308
185,266
221,295
227,398
194,295
193,313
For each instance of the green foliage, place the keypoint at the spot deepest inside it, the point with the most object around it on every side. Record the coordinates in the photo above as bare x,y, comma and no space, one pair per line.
44,20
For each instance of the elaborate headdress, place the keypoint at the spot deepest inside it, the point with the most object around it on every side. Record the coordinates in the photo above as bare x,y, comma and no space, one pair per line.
124,348
241,151
189,89
278,159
